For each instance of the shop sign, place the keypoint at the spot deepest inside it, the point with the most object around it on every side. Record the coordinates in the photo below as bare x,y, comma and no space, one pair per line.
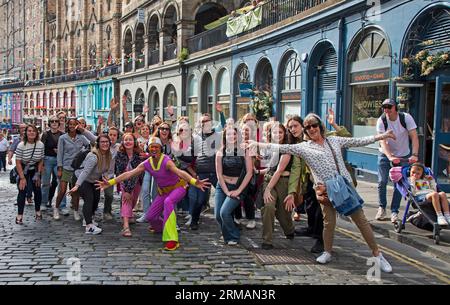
246,89
370,76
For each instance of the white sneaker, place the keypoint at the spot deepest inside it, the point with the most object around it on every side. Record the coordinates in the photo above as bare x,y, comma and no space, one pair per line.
76,215
447,217
56,214
251,224
188,216
324,258
141,219
442,221
93,222
93,229
383,263
394,217
188,223
381,214
65,212
237,221
232,243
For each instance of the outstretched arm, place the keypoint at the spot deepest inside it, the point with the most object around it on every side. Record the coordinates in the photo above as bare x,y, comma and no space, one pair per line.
201,184
104,184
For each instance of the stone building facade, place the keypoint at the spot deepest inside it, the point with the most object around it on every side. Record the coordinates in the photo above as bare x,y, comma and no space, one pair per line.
81,35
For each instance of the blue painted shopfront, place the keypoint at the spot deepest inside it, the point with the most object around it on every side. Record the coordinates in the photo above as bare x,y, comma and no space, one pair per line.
93,100
349,61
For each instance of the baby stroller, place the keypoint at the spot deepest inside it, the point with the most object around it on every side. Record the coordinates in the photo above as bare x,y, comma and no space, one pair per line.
399,175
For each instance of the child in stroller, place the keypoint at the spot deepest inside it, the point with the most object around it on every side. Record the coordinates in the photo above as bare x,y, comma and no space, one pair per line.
424,189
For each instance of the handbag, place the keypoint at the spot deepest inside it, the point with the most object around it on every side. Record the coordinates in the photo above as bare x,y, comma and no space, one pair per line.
341,193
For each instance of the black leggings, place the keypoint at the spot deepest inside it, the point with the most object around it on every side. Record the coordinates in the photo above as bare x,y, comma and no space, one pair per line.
91,197
31,185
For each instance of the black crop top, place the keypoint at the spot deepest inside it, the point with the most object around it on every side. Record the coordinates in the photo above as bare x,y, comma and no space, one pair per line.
232,166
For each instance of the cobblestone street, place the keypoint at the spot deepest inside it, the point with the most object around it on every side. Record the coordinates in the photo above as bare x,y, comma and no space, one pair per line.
38,253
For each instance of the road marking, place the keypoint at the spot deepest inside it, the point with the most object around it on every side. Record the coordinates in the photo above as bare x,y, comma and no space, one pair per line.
415,263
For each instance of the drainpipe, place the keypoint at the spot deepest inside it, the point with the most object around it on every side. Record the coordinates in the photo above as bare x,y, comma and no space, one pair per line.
341,75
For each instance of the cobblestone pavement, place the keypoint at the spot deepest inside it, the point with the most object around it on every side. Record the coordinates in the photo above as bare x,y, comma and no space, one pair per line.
39,252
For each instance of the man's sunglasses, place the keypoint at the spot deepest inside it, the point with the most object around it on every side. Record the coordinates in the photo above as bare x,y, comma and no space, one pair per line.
387,106
308,127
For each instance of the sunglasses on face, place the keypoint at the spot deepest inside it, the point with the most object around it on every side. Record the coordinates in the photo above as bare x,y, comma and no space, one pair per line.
308,127
387,106
54,121
164,128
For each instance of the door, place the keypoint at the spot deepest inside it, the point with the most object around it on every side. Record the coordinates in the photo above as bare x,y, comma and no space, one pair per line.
441,144
326,84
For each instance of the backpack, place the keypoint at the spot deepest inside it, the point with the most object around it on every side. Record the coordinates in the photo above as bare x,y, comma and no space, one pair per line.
402,120
79,158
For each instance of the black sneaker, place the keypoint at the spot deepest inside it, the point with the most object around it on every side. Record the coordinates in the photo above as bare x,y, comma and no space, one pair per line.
303,232
194,226
290,236
267,246
318,247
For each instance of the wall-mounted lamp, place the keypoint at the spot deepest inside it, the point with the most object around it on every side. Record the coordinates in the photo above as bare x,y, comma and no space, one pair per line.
304,57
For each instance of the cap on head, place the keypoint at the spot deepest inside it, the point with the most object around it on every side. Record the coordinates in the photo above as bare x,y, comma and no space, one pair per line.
154,140
389,101
128,124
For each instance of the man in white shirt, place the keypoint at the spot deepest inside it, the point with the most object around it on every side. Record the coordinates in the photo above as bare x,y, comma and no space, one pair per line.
396,151
3,151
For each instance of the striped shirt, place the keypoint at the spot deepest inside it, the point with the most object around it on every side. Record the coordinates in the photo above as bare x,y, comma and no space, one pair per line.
24,152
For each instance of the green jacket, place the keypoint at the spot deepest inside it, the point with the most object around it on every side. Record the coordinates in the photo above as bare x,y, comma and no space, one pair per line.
300,173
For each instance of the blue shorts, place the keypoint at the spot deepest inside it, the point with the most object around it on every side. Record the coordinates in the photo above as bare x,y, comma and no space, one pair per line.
421,198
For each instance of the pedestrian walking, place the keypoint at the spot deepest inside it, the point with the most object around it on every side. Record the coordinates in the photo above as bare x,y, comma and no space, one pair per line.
394,151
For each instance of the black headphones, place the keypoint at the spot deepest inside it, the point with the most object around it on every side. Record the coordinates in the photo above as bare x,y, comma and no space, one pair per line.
97,142
319,121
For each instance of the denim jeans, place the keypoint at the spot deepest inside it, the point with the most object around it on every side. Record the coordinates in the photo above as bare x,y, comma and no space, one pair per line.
223,211
50,165
198,198
384,165
145,195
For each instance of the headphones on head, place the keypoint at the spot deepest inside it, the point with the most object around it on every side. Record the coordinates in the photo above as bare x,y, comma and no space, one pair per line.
319,121
97,142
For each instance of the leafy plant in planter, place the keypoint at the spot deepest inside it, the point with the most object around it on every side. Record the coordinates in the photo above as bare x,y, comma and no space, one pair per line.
184,54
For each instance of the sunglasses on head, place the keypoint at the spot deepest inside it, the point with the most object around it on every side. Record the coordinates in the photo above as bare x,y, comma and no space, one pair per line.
308,127
387,106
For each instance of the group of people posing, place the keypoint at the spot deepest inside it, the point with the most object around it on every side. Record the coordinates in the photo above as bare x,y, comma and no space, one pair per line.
171,166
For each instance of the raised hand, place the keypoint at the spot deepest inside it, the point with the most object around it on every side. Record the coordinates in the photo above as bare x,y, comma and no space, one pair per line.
145,109
170,110
100,120
330,116
219,107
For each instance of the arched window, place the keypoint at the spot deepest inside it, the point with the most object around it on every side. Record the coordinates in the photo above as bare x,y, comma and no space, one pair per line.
241,77
108,32
92,55
223,92
290,95
369,68
170,99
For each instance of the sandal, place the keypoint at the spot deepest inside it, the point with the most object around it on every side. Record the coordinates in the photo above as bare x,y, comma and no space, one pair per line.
38,216
19,221
126,232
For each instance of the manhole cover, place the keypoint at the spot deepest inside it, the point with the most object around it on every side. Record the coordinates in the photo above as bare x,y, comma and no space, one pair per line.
283,256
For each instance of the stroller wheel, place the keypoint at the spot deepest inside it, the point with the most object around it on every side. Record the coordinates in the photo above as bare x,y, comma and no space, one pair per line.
398,226
437,239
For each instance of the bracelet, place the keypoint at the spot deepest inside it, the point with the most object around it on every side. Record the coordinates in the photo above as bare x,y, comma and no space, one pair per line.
112,181
193,181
